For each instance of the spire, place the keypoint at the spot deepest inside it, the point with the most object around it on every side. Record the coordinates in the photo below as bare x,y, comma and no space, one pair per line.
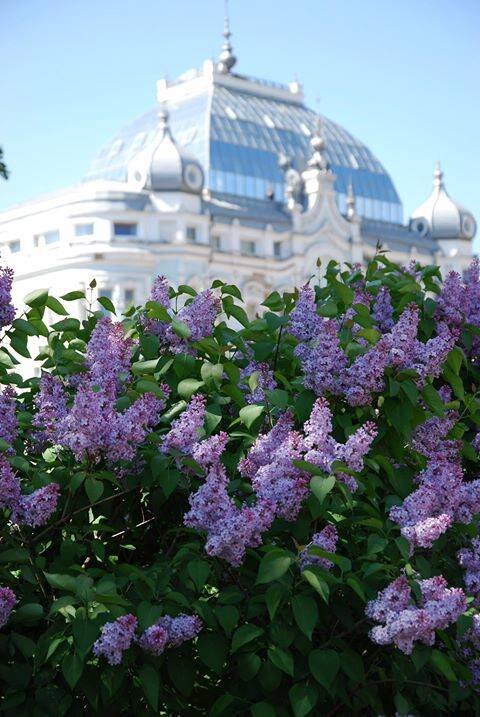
318,145
163,119
227,59
350,202
438,177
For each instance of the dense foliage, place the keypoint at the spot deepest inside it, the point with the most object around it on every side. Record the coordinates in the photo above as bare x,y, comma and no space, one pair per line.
274,519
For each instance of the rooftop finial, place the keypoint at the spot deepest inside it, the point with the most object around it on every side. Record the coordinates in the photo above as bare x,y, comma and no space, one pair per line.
227,59
163,116
438,176
350,202
318,144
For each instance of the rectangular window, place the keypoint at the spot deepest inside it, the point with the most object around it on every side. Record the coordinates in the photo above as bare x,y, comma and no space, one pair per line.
191,234
122,229
83,230
216,242
247,247
52,237
129,297
14,246
277,249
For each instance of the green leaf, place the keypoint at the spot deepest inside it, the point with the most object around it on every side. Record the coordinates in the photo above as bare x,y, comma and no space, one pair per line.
321,487
281,659
56,306
140,368
324,666
212,649
376,544
199,571
262,709
249,414
273,597
312,576
181,672
213,372
278,397
433,400
248,665
245,634
24,326
37,298
72,668
188,387
72,295
29,613
238,313
150,682
442,663
228,617
305,611
303,699
273,565
181,329
107,304
93,489
351,663
61,582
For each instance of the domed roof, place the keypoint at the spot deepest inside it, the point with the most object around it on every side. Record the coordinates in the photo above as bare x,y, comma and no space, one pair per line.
164,165
237,127
440,217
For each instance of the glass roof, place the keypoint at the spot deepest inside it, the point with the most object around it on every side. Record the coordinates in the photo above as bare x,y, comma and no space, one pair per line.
238,136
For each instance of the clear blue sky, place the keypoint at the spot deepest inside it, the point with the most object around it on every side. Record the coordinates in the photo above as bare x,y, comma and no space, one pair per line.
403,76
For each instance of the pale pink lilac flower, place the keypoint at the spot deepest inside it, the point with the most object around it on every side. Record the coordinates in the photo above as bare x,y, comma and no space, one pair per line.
8,600
116,637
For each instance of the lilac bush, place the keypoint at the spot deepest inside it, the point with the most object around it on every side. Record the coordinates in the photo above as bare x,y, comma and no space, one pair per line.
204,514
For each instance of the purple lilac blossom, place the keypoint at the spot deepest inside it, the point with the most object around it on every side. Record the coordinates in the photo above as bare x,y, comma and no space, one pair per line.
199,316
35,509
7,310
8,419
405,622
8,599
323,361
469,559
10,489
265,381
108,356
169,631
116,637
383,311
452,302
327,540
185,429
159,294
304,321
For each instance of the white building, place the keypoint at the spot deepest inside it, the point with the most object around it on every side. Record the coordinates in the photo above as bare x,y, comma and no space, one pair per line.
229,177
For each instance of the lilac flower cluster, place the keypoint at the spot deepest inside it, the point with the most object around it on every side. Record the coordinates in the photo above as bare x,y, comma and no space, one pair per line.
469,559
230,529
33,509
327,540
198,315
92,427
7,311
402,622
8,419
325,365
459,300
468,650
8,599
279,486
442,496
383,310
116,637
170,631
185,429
322,449
265,381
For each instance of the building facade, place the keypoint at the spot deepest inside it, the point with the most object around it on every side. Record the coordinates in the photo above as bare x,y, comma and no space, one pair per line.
228,177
